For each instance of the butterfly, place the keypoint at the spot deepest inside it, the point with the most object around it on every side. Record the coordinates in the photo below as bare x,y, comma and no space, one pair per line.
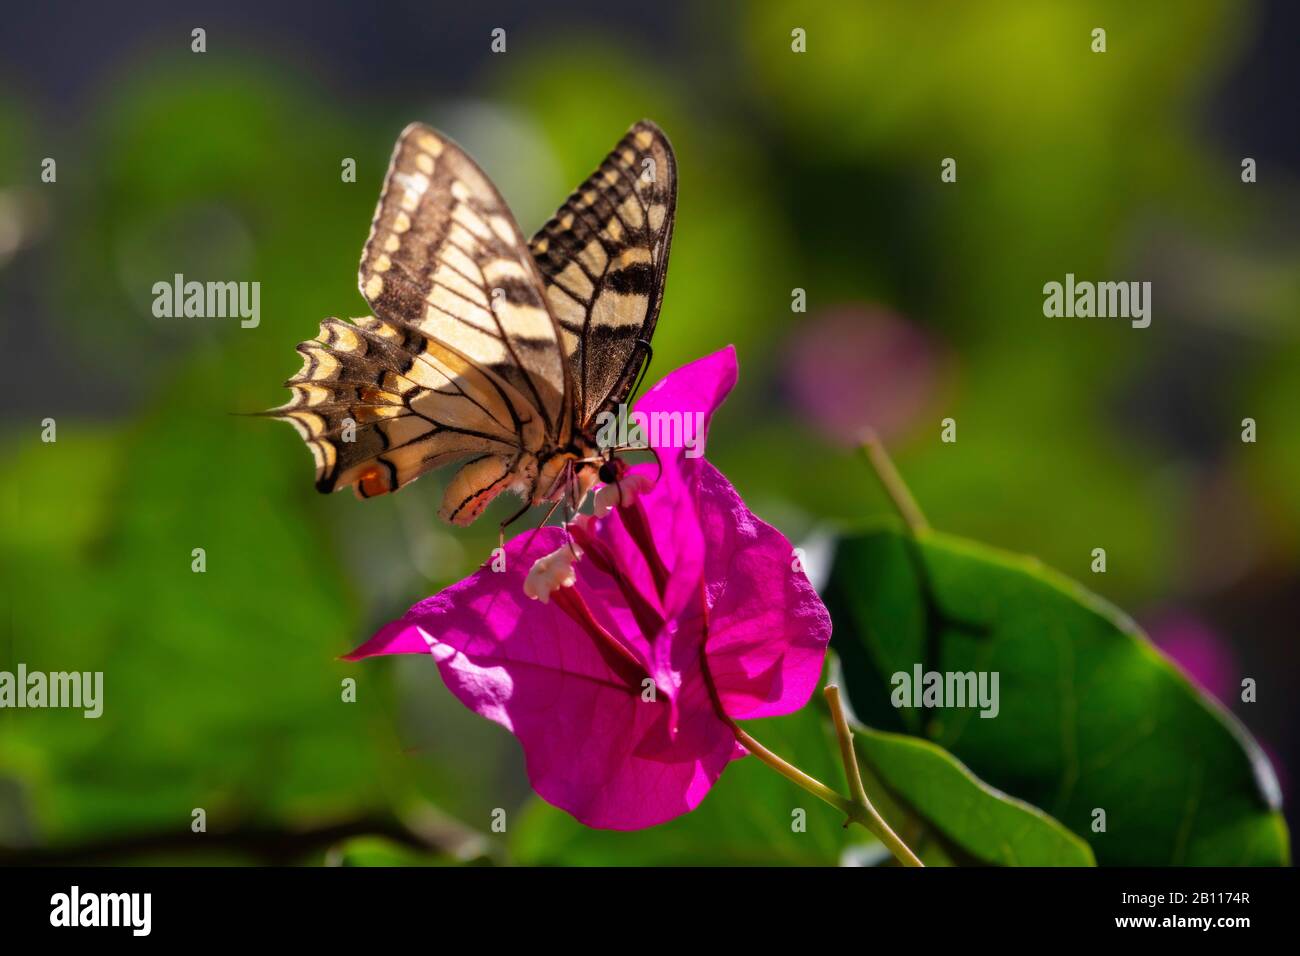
485,350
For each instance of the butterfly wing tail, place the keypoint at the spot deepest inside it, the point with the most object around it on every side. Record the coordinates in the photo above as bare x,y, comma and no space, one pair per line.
378,410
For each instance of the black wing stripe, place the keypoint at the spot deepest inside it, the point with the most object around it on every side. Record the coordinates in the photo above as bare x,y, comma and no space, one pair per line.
615,211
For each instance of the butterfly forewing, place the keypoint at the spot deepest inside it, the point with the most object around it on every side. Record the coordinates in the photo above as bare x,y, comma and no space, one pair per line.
446,257
603,257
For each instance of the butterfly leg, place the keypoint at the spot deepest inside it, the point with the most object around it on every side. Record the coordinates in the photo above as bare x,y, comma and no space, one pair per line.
570,503
501,531
545,518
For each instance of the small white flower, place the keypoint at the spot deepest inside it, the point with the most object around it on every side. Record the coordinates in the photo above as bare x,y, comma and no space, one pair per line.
620,493
551,572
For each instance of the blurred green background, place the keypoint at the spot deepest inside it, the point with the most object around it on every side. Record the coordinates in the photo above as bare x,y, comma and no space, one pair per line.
817,171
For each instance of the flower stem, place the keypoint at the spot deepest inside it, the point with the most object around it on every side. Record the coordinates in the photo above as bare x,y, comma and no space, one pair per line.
874,821
858,809
845,735
893,483
790,771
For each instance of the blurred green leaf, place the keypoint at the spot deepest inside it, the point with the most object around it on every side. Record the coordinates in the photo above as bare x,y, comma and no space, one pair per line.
1091,716
222,689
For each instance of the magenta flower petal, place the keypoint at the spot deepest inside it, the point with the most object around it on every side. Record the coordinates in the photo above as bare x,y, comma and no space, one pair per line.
396,637
768,629
593,747
684,613
699,387
694,390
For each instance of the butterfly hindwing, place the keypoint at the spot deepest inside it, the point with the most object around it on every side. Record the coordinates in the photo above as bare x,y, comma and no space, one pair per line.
603,258
445,257
379,404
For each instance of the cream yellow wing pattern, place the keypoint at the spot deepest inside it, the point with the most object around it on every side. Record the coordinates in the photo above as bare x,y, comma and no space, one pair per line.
604,257
462,358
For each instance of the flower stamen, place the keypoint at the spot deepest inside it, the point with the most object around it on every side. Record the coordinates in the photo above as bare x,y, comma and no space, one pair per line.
551,573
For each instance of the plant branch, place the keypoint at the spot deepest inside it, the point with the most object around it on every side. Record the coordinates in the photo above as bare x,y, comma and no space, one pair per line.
861,803
893,483
845,737
858,811
790,771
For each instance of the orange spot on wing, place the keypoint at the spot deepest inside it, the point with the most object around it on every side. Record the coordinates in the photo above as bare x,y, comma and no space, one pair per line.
373,482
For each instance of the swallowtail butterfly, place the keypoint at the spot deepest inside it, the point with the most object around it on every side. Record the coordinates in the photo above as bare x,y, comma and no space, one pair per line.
483,349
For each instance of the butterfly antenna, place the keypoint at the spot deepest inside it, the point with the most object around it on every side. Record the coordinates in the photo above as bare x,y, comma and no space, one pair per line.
645,367
659,464
570,504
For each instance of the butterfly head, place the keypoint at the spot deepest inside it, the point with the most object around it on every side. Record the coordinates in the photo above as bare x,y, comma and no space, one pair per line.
611,470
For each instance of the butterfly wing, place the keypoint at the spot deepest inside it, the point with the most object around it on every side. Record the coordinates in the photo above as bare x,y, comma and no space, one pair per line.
463,358
446,258
379,404
603,257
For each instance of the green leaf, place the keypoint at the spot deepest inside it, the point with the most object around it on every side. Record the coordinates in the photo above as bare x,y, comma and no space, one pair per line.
1091,717
747,819
984,824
